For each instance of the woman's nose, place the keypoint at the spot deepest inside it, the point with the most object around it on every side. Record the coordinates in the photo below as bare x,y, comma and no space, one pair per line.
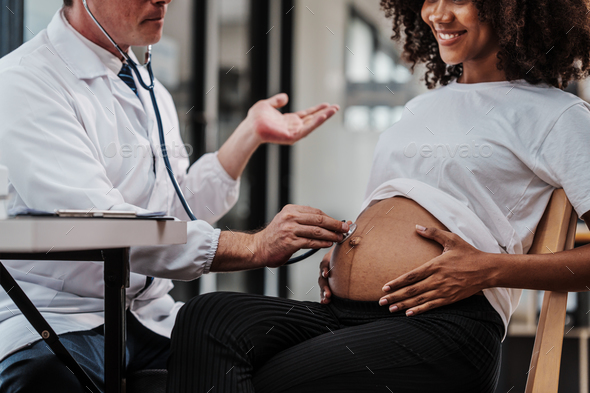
441,15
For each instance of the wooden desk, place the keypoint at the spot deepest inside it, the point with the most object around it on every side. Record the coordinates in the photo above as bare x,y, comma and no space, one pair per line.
82,239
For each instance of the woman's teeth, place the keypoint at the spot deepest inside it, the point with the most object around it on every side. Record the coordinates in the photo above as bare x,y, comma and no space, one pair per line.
449,36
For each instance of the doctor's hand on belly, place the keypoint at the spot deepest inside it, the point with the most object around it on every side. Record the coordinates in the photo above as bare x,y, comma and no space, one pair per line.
293,228
459,272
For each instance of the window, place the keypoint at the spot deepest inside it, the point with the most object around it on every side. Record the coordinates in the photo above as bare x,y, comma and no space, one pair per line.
374,74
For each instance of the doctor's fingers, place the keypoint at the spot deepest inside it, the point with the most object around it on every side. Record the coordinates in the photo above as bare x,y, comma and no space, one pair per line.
312,110
294,212
312,122
322,221
315,232
278,100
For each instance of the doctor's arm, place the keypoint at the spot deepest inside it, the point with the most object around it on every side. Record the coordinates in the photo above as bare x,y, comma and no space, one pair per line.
211,185
295,227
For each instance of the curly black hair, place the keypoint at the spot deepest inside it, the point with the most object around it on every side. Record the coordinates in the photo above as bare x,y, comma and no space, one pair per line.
540,40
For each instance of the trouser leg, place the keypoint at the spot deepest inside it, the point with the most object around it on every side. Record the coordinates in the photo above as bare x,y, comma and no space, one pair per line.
37,369
146,350
227,342
221,338
398,355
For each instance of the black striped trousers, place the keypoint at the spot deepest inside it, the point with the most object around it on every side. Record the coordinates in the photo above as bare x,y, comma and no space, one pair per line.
231,342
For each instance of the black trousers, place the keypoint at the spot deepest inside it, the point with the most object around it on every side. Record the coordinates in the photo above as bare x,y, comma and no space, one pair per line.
230,342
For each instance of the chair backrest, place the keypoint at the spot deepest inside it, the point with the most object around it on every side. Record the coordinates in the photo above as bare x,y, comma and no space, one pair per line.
555,232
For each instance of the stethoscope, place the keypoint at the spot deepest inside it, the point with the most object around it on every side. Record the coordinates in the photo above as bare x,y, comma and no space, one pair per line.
150,87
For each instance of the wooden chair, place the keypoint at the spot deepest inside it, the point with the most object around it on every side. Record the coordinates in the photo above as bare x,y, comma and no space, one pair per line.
555,232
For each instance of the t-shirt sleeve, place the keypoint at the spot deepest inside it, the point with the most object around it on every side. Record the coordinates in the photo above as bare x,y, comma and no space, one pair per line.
563,158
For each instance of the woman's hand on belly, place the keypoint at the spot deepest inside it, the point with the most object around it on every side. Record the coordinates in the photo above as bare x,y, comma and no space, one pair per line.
323,283
459,272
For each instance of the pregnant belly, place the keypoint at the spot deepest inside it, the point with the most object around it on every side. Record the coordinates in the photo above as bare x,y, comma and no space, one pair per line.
384,246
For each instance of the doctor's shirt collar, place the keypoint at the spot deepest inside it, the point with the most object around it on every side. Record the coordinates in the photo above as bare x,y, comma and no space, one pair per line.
85,59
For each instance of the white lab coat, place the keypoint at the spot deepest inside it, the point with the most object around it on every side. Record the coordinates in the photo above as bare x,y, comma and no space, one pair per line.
73,135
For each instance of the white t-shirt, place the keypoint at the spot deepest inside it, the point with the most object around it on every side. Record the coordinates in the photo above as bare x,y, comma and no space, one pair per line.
499,149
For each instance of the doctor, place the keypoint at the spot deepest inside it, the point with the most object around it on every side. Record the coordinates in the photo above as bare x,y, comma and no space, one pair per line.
76,132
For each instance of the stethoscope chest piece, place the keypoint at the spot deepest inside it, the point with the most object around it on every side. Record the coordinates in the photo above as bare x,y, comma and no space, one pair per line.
348,234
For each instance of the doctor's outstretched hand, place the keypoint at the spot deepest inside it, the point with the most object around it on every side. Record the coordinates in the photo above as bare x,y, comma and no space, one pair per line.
272,126
266,124
459,272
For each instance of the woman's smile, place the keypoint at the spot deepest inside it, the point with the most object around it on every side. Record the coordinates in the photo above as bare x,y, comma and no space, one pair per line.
447,37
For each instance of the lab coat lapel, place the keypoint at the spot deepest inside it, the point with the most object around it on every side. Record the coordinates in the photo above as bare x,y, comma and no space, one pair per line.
86,65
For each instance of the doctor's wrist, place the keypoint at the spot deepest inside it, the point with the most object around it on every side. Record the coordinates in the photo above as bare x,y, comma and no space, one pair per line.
248,134
235,252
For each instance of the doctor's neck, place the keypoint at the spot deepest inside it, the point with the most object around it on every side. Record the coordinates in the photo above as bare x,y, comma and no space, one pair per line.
129,22
84,25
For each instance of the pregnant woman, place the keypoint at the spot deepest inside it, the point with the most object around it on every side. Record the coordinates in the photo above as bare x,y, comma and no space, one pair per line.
475,162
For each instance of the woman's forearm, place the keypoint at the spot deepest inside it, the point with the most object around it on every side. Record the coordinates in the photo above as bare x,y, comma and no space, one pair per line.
560,271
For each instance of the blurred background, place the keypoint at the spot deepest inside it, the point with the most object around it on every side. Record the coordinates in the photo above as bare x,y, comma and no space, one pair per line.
218,57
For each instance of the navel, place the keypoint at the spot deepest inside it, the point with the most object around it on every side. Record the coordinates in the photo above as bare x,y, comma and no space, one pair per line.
354,241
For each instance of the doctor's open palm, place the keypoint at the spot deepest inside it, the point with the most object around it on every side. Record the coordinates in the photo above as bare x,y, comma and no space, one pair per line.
273,126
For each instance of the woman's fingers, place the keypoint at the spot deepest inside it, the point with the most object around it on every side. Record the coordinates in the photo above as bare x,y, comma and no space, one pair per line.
427,306
324,285
445,238
407,293
325,292
418,274
415,301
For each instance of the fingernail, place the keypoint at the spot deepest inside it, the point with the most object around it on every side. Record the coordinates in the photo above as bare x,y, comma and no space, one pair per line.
324,274
382,302
420,227
344,226
393,308
409,312
386,288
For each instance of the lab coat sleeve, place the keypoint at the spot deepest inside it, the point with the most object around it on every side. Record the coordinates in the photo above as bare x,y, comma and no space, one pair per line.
53,164
183,262
209,189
